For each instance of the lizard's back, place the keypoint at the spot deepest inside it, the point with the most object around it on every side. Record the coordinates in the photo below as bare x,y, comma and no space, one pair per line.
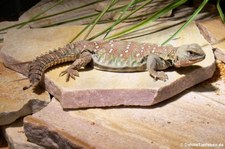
122,56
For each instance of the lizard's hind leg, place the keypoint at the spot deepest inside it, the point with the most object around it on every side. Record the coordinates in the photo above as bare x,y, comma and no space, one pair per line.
72,70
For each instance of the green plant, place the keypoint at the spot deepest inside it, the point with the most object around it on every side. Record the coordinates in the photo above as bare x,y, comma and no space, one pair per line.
124,15
154,17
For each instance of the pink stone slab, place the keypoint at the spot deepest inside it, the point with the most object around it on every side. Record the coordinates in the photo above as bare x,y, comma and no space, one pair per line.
214,32
96,88
65,130
189,117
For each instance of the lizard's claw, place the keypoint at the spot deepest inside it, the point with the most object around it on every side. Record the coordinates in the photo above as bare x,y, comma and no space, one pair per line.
160,75
71,73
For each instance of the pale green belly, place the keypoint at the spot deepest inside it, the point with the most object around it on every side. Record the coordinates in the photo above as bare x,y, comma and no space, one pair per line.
118,64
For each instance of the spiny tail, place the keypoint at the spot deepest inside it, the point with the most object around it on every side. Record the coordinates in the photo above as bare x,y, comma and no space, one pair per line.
40,64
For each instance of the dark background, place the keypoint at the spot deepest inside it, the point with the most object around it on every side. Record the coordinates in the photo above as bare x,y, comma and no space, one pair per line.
10,10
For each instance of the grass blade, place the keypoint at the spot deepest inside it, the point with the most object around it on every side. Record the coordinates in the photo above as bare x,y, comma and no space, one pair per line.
220,11
86,27
119,18
112,2
69,10
118,21
188,21
55,14
150,19
81,18
39,14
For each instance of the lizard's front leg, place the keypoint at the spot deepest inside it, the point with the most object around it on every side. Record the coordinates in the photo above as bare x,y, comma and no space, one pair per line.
155,63
72,70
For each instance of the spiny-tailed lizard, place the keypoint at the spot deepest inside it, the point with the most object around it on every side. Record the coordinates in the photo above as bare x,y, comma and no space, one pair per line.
116,56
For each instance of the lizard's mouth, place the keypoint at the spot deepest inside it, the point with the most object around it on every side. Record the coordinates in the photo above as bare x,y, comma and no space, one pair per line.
189,61
196,58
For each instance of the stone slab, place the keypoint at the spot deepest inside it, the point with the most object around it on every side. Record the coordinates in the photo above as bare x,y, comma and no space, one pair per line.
14,102
214,32
16,138
101,89
182,120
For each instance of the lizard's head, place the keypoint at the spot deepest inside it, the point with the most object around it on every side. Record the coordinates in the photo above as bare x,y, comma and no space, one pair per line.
187,55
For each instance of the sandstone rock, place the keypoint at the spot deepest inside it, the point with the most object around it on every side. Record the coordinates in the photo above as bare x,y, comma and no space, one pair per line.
98,88
16,138
183,119
214,32
14,102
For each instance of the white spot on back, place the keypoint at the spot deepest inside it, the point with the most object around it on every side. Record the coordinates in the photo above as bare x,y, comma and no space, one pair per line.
126,51
97,47
110,51
128,45
138,54
72,46
84,46
121,55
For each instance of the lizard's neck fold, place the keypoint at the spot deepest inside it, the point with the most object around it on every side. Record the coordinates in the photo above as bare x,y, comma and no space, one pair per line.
172,55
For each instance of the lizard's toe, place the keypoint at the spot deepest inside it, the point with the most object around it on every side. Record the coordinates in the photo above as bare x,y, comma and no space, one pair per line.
63,73
71,73
159,75
162,76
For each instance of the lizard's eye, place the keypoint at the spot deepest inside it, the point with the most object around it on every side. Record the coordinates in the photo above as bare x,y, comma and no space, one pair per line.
191,53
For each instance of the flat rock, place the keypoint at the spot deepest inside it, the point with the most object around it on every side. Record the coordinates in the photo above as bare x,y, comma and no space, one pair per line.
183,120
101,89
16,138
214,32
14,102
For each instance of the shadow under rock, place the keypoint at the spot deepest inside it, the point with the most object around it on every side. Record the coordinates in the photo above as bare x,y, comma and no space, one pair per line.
3,142
185,70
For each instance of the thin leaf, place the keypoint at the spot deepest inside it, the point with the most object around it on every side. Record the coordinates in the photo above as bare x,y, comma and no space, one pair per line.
81,18
112,2
118,21
55,14
69,10
188,21
39,14
119,18
86,27
12,26
72,20
150,19
220,11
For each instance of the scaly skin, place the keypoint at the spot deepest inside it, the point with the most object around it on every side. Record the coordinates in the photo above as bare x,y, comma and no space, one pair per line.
117,56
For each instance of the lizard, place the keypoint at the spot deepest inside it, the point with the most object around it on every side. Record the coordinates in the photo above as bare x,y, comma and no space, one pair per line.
116,56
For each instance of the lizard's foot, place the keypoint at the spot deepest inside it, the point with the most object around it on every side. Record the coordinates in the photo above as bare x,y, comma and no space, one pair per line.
71,73
159,75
